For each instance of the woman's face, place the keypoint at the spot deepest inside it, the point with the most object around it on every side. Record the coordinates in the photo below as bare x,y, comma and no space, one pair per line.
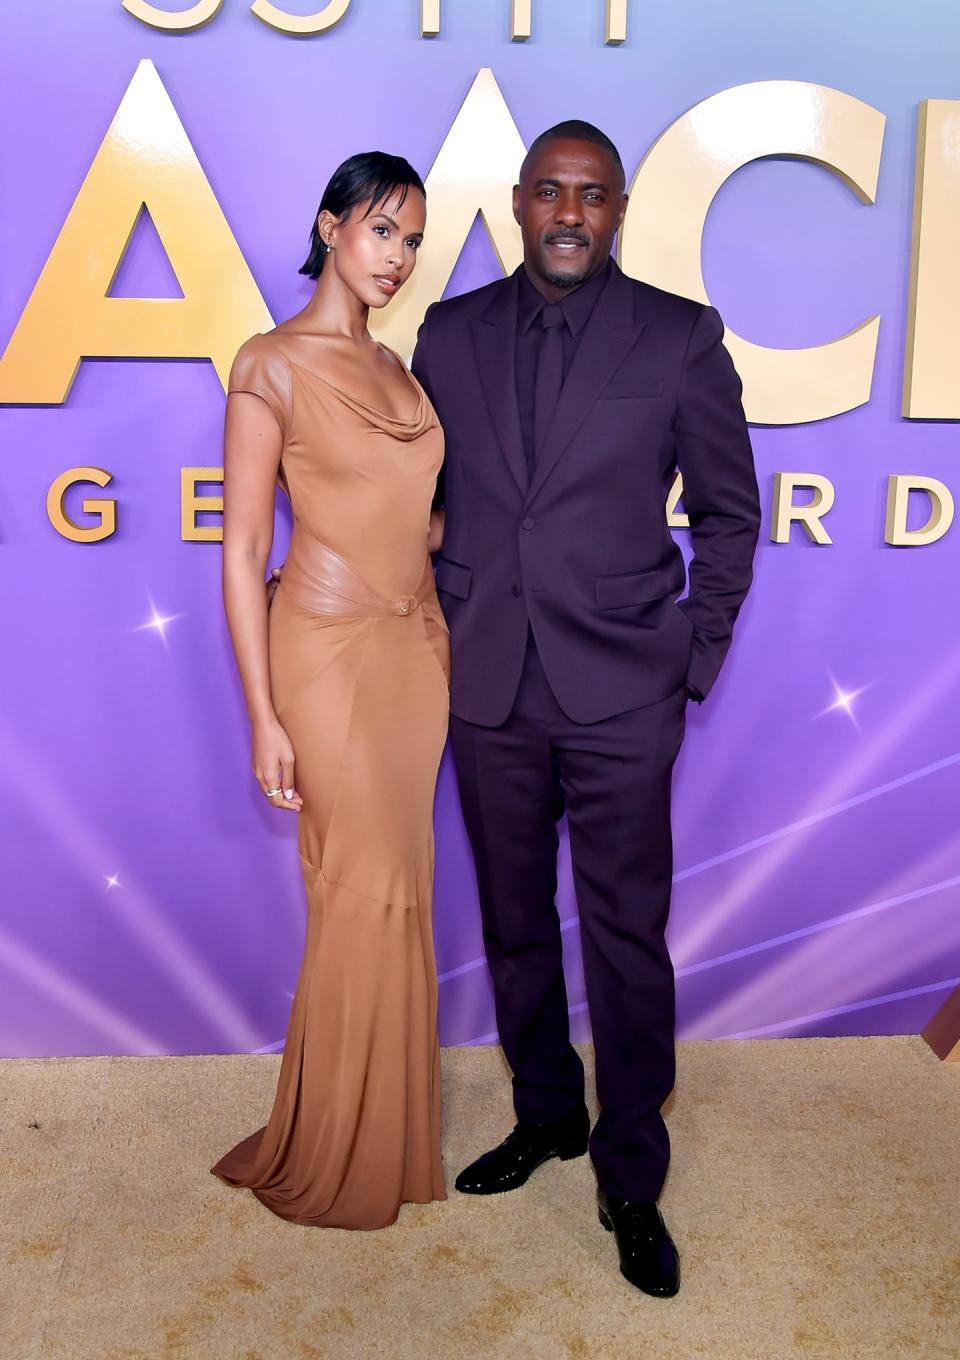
374,255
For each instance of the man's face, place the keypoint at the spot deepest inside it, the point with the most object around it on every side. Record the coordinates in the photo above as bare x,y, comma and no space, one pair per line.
569,204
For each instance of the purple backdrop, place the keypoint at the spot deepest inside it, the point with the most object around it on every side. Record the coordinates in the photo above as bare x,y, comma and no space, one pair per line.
151,901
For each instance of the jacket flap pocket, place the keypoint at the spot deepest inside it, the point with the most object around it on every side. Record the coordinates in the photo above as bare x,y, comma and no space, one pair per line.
635,587
633,387
453,578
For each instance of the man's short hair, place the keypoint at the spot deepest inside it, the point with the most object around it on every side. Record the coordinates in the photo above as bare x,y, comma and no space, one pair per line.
576,130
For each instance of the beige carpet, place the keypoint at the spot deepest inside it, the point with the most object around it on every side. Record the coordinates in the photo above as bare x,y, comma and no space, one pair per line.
814,1195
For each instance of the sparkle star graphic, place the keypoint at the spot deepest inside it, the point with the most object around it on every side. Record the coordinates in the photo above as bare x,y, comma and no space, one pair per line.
158,622
844,701
113,880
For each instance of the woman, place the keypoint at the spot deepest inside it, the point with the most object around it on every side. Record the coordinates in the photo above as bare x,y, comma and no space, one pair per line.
347,688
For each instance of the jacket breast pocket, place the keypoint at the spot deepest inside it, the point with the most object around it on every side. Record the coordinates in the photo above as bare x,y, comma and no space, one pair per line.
453,579
634,587
633,387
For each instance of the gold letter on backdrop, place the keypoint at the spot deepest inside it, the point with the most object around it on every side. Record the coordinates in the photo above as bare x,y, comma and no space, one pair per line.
676,519
520,15
672,192
176,21
930,387
301,25
898,499
145,158
106,509
475,171
615,24
191,505
429,18
786,513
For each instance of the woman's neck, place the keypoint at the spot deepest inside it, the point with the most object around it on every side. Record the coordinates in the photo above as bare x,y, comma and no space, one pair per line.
335,309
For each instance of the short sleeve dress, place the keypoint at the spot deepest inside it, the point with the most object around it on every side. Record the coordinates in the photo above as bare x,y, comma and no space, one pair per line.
359,673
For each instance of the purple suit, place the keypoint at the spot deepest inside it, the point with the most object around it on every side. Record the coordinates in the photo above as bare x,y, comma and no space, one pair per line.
584,552
572,660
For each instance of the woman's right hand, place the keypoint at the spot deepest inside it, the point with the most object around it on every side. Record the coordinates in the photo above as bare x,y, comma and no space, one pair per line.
435,530
272,585
273,763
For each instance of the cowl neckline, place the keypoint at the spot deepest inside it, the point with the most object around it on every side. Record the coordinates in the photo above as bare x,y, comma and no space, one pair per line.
400,427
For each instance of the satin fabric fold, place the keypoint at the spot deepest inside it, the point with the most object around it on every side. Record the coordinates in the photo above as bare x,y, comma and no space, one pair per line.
319,580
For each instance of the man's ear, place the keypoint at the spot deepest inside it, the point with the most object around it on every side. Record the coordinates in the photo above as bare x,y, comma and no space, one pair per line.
516,203
623,211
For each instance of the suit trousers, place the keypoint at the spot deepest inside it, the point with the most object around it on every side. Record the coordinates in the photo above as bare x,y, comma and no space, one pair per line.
613,780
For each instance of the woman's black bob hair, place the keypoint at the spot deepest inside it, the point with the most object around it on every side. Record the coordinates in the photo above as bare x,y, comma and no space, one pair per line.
371,177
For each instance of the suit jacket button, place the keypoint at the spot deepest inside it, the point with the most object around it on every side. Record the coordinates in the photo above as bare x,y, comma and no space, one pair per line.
515,589
527,523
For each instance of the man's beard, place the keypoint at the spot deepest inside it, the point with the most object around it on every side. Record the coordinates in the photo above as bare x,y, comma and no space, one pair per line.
566,280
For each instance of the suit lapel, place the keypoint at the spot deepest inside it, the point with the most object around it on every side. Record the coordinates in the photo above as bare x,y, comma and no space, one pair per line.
610,334
495,344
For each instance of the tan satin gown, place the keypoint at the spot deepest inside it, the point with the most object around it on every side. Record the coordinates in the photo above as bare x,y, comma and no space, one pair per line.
359,671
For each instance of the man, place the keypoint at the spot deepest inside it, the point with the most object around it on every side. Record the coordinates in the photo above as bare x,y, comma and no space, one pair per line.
569,394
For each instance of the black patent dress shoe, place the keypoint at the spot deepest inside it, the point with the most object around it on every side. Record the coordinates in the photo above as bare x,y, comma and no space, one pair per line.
648,1257
510,1165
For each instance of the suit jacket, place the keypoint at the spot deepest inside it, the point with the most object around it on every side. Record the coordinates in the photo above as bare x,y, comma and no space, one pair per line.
583,554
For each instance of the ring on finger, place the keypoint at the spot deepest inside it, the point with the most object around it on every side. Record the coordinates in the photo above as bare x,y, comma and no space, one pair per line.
273,793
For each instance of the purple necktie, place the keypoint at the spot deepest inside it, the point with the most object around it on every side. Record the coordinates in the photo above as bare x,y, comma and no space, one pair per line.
549,378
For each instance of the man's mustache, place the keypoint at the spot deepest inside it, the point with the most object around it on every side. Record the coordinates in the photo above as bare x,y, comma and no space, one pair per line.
566,236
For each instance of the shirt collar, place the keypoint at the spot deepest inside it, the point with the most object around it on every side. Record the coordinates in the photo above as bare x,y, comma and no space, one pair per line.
577,305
